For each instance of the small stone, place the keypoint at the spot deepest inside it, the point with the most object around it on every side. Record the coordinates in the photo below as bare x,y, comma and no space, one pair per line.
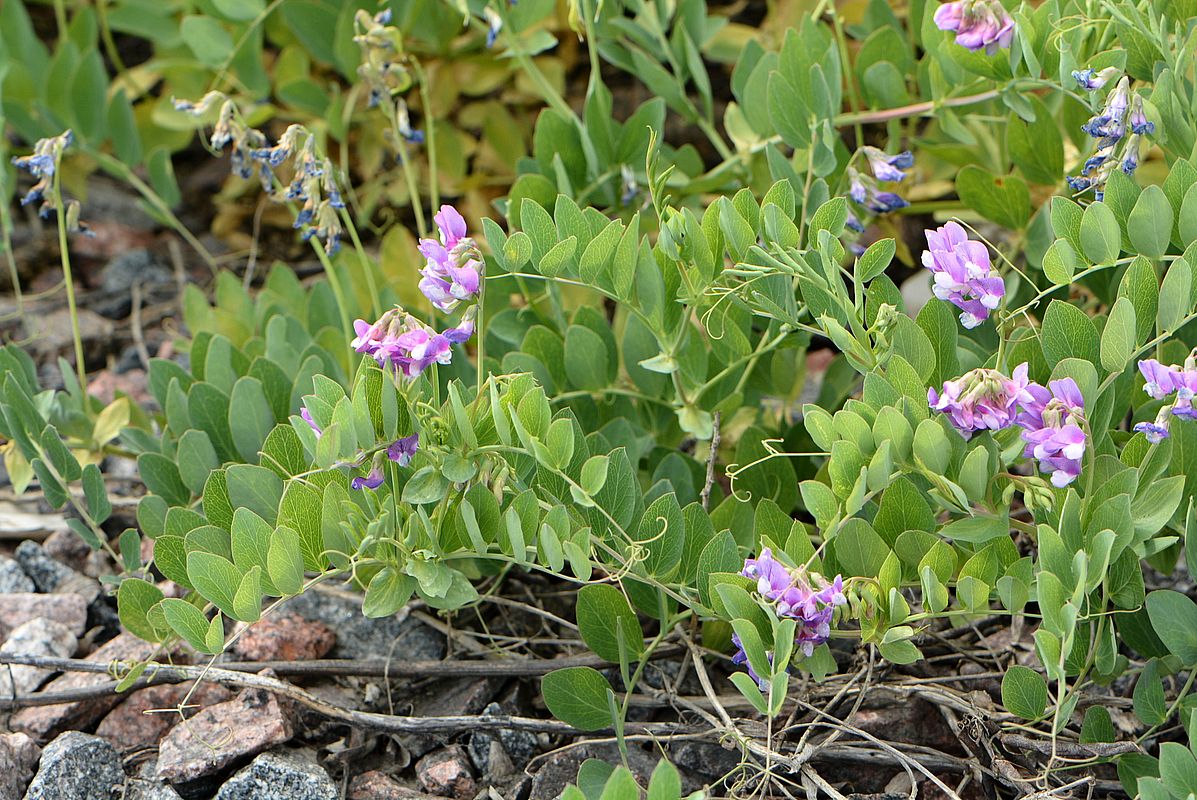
517,748
77,766
18,757
37,637
280,776
139,722
706,759
50,336
361,637
139,789
13,578
375,785
45,571
447,773
221,735
18,608
288,637
68,548
41,722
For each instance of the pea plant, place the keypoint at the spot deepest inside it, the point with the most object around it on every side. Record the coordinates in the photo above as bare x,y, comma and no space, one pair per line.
603,378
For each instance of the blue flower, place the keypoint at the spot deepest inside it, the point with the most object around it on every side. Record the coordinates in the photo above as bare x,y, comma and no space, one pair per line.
883,202
886,167
1155,433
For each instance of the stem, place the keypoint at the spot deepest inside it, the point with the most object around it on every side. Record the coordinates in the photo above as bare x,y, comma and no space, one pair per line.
106,35
64,253
413,191
6,239
434,189
364,260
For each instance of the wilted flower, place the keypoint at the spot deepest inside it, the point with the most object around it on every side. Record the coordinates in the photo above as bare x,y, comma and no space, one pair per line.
1053,428
402,450
402,342
794,595
494,24
983,399
963,273
384,67
886,167
977,23
453,269
1091,80
41,164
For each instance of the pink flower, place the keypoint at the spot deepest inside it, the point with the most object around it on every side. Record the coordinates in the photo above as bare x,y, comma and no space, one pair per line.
978,24
1053,429
794,596
963,273
453,269
983,399
1160,380
402,342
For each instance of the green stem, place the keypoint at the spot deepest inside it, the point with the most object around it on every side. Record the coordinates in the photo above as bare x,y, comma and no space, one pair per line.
364,260
413,190
6,237
434,189
64,253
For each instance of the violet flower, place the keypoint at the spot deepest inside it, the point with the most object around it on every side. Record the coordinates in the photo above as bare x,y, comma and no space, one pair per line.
741,658
402,450
794,595
1138,117
402,342
964,275
1053,428
1091,80
453,271
982,399
1154,431
1160,380
978,24
1186,388
306,416
371,481
886,167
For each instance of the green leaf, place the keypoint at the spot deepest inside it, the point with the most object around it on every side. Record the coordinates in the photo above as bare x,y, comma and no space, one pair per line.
250,542
1178,768
1174,618
874,260
215,578
190,623
207,38
257,488
604,619
1150,706
1004,199
1059,262
161,477
247,602
578,696
1175,295
134,599
1101,238
665,783
586,361
388,592
1149,225
250,418
96,494
1024,692
1068,333
1037,148
284,561
197,458
1118,337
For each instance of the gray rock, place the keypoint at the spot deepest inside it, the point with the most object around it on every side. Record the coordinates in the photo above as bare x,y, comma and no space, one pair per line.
115,299
20,607
37,637
139,789
13,578
46,572
361,637
495,754
18,757
280,776
706,759
77,766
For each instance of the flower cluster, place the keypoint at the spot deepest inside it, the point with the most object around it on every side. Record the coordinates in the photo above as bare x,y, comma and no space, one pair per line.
808,598
400,451
1052,418
864,191
1053,427
1161,383
312,182
963,273
385,69
983,399
1121,112
42,163
453,269
406,345
978,24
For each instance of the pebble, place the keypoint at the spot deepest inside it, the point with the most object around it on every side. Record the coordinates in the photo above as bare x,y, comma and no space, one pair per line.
41,722
280,776
361,637
13,578
285,637
77,766
375,785
52,576
134,725
447,773
37,637
18,758
514,748
223,734
17,608
68,548
139,789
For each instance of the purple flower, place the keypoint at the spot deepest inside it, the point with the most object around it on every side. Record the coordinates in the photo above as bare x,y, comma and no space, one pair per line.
1185,383
371,481
1091,80
1160,380
977,23
1138,118
402,342
963,273
1053,429
402,450
1154,432
983,399
886,167
1130,155
794,596
307,417
453,268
